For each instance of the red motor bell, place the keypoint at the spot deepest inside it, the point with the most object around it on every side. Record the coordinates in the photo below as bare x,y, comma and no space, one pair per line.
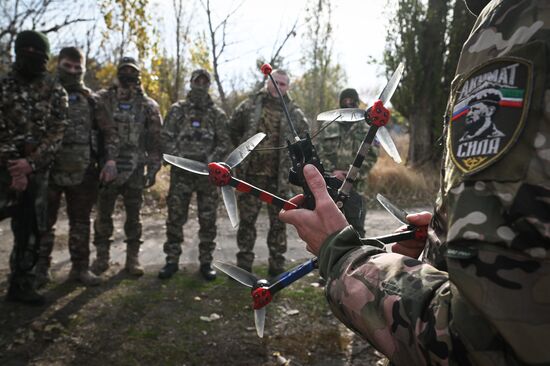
219,174
378,114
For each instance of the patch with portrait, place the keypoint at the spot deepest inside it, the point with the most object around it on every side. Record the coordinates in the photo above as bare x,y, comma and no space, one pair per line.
489,112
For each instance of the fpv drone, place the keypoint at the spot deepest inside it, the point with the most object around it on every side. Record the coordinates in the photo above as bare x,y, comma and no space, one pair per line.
302,152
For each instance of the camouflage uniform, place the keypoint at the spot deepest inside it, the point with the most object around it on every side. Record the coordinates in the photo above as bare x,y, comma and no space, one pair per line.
266,169
195,129
491,228
339,143
138,121
32,122
75,173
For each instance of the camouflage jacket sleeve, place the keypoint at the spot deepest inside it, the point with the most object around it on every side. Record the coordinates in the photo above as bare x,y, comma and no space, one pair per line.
400,305
56,123
107,128
300,121
222,140
169,130
238,122
153,141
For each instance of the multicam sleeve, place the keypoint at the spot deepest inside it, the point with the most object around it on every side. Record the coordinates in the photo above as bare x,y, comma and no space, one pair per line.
237,123
398,304
56,123
108,130
169,132
153,141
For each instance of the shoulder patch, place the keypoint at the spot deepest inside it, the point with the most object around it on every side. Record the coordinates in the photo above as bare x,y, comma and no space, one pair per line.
489,111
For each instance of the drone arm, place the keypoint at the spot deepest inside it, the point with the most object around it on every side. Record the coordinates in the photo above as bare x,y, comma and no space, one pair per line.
264,196
293,275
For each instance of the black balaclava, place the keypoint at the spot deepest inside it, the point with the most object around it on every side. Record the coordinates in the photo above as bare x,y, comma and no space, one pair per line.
71,81
476,6
198,94
31,64
128,80
349,93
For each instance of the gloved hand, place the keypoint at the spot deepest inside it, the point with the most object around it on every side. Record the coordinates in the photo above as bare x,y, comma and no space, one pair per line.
151,174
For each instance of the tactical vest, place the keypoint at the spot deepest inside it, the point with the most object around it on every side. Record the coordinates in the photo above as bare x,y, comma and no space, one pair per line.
75,155
196,136
129,117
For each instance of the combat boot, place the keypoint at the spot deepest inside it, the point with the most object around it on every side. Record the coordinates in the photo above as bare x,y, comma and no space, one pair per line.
132,261
25,294
83,275
168,270
101,262
42,273
208,272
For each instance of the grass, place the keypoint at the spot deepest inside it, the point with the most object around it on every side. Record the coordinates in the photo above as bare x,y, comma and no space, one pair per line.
403,185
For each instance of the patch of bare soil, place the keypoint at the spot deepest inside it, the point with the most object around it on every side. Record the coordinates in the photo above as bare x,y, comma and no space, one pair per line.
182,321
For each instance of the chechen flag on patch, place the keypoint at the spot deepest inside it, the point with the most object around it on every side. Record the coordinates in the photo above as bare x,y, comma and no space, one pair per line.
489,113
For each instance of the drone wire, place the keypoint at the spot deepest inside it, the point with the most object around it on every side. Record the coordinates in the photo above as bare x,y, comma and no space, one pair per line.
312,137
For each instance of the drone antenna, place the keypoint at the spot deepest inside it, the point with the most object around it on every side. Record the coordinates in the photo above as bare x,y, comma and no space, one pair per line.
266,70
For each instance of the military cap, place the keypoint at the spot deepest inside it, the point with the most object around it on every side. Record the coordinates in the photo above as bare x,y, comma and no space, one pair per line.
128,61
200,72
37,40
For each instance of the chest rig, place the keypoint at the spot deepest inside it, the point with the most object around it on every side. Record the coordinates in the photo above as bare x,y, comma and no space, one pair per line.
130,121
75,155
197,135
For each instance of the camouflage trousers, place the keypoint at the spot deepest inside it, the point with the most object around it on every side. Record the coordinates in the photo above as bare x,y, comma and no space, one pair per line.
80,199
182,186
27,210
249,208
132,198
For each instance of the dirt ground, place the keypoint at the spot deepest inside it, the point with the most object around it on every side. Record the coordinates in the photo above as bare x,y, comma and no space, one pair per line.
181,321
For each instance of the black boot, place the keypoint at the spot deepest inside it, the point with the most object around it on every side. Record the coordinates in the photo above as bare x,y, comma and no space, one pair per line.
24,294
275,271
208,272
168,270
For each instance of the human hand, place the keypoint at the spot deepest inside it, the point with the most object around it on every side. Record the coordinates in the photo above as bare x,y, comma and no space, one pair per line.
314,227
19,167
413,248
109,172
19,183
150,176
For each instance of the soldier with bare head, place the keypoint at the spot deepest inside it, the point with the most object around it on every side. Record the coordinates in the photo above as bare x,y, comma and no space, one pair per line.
267,166
90,143
138,121
479,293
33,113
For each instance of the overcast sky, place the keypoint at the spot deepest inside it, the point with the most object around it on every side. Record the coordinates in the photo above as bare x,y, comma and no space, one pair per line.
359,34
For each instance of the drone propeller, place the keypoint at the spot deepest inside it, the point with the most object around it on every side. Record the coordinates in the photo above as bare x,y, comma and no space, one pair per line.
378,116
237,273
220,175
187,164
351,115
398,213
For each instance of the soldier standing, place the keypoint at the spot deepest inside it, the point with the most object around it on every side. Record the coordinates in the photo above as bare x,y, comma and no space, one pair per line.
33,113
267,168
75,171
339,144
480,294
196,129
137,118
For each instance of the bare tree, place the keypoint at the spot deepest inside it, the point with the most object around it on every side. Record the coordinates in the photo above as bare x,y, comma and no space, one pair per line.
182,33
47,16
218,42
